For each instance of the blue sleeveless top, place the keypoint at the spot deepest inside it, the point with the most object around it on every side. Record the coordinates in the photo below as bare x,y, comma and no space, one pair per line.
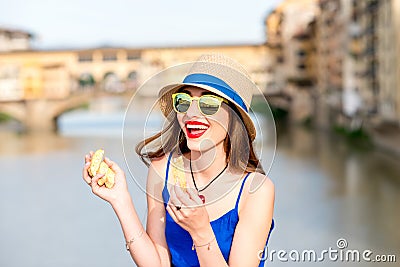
180,242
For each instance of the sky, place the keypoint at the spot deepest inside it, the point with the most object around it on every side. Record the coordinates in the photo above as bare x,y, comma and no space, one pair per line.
134,23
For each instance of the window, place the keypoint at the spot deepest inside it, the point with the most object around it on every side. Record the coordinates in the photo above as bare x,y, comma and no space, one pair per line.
301,53
109,56
87,57
301,66
133,55
280,59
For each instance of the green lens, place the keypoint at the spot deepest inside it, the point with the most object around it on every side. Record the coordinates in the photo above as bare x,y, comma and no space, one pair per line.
209,105
182,102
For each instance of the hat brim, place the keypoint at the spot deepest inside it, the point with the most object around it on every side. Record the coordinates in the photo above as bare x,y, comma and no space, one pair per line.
165,102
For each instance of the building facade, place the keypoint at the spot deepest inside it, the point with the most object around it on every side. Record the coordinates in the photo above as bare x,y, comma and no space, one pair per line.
57,74
290,31
345,52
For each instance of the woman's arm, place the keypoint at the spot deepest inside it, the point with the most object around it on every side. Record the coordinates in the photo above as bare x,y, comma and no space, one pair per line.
255,218
156,210
145,250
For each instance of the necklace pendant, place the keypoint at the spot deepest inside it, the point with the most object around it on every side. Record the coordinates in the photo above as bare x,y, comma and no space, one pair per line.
203,198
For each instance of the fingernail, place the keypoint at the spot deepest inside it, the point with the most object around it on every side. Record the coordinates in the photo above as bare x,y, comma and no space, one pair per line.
87,163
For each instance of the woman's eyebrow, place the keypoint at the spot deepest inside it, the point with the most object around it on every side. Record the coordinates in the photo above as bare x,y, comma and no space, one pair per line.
203,93
186,91
208,93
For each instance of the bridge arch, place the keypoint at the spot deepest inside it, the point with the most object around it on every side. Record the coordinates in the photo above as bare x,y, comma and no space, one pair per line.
86,81
41,114
14,110
112,83
132,81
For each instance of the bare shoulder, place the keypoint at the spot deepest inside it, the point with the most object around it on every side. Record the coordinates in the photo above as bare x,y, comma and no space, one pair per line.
260,189
262,183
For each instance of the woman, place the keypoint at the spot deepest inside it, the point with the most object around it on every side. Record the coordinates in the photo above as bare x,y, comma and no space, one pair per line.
223,215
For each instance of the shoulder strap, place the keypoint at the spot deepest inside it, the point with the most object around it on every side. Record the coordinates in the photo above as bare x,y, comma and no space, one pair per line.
167,170
165,193
241,189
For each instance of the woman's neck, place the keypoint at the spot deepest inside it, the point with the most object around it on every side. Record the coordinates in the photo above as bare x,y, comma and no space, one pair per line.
207,164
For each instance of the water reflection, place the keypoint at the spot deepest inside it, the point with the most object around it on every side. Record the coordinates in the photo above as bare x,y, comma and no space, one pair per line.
327,190
13,144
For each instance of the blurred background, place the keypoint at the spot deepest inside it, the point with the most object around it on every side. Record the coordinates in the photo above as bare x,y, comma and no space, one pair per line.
330,70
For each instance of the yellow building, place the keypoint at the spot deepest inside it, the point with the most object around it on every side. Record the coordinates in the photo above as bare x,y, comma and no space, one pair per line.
36,74
57,74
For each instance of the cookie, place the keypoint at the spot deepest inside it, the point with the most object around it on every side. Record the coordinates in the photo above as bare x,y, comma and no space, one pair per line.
97,166
102,170
110,178
96,161
178,173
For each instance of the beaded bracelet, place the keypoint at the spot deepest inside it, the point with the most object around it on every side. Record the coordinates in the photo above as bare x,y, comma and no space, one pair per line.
128,243
208,244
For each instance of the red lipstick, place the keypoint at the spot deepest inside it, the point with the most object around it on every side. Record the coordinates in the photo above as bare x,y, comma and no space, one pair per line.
195,129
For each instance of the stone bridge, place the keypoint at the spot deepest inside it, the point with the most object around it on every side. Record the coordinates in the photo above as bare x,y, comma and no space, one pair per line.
279,100
41,114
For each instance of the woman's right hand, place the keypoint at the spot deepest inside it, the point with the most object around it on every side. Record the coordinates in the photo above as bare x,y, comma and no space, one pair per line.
120,189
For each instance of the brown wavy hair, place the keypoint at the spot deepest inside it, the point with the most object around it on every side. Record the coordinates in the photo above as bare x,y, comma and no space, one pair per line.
172,138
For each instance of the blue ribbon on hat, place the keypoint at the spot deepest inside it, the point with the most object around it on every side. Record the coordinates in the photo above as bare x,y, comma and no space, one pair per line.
216,83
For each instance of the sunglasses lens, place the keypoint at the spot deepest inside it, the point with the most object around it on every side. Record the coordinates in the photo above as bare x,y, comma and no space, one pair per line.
209,105
182,102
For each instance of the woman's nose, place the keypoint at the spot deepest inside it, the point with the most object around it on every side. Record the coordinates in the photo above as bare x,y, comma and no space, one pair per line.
193,110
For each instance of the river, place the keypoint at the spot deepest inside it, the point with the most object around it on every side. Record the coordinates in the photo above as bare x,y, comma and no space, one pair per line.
326,189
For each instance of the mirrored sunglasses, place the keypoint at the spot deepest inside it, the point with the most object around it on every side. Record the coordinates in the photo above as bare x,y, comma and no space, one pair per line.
207,104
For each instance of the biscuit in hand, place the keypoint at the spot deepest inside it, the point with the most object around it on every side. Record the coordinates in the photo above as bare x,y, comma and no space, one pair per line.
98,166
178,172
102,170
96,161
110,178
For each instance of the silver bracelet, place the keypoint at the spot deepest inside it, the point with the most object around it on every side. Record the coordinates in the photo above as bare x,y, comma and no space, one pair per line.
208,245
128,243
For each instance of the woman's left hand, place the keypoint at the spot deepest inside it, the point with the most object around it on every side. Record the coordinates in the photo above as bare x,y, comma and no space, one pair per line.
187,210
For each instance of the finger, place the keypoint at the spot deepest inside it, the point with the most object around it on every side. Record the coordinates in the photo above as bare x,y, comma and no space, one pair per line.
175,214
182,196
173,199
90,155
113,166
85,173
194,196
94,184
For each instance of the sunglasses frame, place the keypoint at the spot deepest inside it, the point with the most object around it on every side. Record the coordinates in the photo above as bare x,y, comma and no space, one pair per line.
220,99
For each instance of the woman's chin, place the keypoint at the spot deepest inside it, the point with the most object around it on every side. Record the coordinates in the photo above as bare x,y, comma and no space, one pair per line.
194,145
200,144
